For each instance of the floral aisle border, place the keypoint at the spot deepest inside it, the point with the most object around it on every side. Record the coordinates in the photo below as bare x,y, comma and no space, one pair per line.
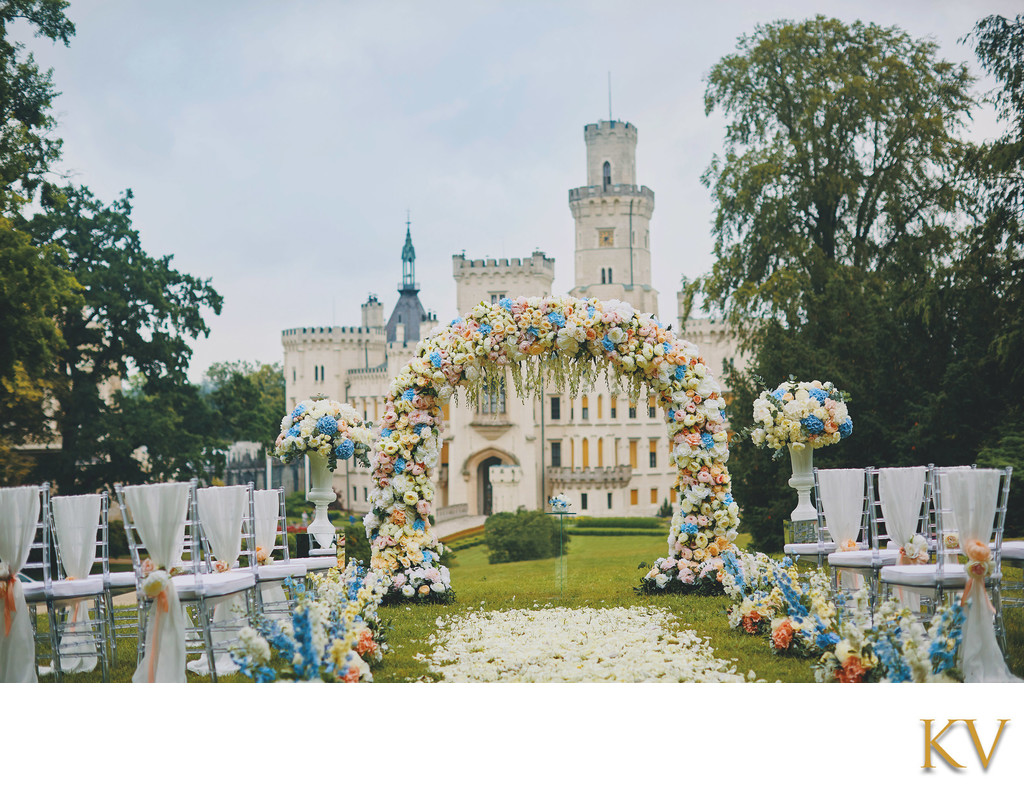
566,341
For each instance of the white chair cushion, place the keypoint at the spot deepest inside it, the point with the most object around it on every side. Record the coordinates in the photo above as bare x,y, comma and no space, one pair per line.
926,575
93,585
214,584
810,548
316,564
1013,551
862,559
280,570
122,580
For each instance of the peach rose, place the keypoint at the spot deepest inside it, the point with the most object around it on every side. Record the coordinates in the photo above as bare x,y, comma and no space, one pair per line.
977,551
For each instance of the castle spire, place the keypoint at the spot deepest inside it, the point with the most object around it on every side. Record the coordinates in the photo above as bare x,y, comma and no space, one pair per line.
408,259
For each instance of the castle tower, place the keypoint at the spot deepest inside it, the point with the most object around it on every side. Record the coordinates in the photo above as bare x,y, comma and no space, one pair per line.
404,323
613,220
491,279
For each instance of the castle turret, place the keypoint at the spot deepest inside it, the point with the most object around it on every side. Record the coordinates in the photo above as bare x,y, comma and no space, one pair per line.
491,279
408,311
613,220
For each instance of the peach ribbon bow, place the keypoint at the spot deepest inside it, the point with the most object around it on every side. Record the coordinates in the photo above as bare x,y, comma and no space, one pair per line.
161,606
9,605
976,580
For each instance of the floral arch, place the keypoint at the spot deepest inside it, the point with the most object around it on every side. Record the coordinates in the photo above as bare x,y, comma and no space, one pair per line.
567,341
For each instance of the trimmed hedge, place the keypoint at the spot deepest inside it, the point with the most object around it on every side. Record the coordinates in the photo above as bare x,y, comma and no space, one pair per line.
649,522
521,536
616,531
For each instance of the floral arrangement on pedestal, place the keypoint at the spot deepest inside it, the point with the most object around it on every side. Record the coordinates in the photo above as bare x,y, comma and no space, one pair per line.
319,425
893,646
560,503
332,633
802,414
566,341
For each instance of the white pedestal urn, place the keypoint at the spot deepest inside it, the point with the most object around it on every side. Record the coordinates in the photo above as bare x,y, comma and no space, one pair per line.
321,494
804,517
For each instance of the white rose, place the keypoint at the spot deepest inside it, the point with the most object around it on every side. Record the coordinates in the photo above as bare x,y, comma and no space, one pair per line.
408,591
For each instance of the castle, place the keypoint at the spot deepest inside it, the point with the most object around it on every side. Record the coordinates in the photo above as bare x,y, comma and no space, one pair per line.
609,454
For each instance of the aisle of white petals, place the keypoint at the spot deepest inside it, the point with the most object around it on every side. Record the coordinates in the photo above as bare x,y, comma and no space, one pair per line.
636,644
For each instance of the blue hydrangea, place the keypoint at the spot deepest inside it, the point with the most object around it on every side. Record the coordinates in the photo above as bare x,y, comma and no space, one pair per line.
408,394
400,465
667,346
505,303
421,428
707,441
728,499
456,321
690,529
557,319
345,449
298,411
818,394
671,414
590,311
533,330
778,394
846,428
419,525
607,343
435,358
385,433
485,329
680,372
327,425
812,424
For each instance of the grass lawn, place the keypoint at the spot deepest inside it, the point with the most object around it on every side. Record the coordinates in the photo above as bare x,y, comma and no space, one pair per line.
601,572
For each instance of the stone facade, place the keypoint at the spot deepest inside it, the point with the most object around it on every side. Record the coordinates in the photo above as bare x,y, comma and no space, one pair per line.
609,454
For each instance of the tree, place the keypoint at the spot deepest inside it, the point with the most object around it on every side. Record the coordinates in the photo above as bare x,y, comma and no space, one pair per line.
138,315
838,202
249,398
33,286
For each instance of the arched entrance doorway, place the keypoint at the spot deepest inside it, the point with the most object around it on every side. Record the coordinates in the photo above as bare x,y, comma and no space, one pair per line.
485,492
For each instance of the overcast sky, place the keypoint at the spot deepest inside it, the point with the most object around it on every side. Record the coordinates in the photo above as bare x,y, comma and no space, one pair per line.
275,147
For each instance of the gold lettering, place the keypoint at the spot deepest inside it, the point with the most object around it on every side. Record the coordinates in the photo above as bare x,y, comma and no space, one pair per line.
977,741
933,743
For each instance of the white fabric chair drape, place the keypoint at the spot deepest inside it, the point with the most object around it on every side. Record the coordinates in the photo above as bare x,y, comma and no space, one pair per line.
266,505
221,512
901,491
973,497
159,512
76,520
842,500
19,515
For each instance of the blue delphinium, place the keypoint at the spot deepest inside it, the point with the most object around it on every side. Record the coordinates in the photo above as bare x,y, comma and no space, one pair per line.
734,569
948,633
892,661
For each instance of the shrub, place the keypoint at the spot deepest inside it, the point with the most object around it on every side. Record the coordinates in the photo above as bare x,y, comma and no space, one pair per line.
117,540
649,522
357,545
521,536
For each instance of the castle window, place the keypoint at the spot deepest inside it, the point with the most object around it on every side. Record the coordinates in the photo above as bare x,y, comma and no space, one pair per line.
651,407
583,502
632,409
556,453
600,407
654,496
611,406
609,500
316,373
556,408
609,274
600,452
607,175
602,275
586,454
293,374
653,451
496,296
632,455
634,496
585,408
